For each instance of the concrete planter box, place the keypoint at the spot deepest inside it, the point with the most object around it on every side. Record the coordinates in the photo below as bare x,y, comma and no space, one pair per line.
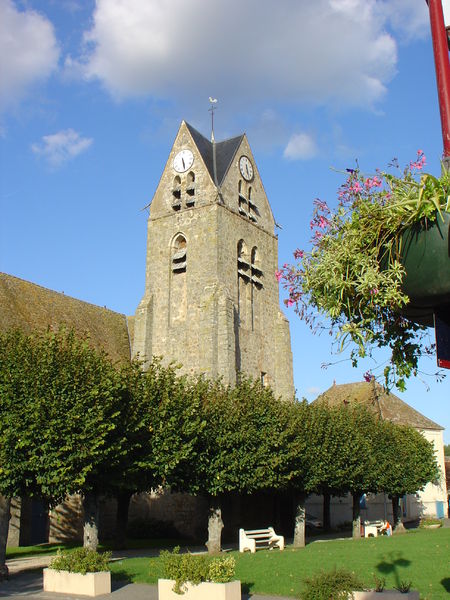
386,595
91,584
202,591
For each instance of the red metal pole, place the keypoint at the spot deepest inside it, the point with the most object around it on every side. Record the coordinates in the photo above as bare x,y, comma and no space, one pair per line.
442,64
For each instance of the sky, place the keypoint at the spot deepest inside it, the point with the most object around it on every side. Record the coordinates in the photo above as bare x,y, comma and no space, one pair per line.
92,95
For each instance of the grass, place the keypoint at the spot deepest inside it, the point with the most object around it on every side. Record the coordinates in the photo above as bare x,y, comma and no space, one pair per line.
421,556
46,549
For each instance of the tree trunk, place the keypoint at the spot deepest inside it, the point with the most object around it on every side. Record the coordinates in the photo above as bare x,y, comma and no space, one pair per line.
215,526
326,511
5,512
397,525
356,526
123,504
91,517
299,523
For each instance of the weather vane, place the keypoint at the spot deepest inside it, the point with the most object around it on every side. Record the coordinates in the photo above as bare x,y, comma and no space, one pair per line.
211,110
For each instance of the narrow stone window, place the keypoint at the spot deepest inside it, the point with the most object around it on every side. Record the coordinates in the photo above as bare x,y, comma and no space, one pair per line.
252,208
256,284
243,205
256,270
176,193
190,189
244,284
178,281
263,379
179,254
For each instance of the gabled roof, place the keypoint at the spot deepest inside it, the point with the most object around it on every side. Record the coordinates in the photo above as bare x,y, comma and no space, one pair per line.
225,152
375,397
29,307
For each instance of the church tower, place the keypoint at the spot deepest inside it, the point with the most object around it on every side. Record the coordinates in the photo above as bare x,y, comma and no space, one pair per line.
211,299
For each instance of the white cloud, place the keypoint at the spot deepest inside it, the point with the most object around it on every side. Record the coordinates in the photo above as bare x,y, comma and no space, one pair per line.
61,147
322,52
410,19
301,146
28,51
313,391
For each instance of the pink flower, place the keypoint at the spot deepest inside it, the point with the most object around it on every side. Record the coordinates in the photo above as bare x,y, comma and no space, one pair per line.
371,183
298,254
290,302
356,187
420,162
368,376
278,275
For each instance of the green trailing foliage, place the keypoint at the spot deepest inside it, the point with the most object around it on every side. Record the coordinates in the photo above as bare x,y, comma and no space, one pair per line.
195,569
81,560
350,282
330,585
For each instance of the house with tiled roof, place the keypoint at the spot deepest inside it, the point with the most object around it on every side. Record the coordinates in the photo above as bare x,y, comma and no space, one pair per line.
432,501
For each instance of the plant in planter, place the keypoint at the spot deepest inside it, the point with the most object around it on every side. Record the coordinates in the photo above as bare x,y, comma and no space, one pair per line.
337,584
198,576
430,523
368,265
82,571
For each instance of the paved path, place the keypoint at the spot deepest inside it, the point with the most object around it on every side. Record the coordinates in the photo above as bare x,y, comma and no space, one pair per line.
25,583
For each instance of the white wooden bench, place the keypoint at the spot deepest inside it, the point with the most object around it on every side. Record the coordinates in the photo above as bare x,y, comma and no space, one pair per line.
372,528
254,539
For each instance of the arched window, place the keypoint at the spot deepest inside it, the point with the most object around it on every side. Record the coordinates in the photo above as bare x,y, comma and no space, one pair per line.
190,189
178,283
244,284
176,193
179,254
257,273
252,208
243,207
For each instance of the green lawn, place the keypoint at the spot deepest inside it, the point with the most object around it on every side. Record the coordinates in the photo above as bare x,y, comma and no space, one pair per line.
24,551
420,556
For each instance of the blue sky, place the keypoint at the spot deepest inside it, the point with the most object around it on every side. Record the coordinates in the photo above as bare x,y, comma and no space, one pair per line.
92,95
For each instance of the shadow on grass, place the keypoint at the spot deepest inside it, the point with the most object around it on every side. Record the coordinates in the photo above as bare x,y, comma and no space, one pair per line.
246,589
446,584
27,551
392,566
120,579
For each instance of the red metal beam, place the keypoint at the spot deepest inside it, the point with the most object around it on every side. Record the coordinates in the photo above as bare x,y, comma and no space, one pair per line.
442,64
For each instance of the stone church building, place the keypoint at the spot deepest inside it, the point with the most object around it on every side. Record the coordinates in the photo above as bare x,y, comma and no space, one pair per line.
211,300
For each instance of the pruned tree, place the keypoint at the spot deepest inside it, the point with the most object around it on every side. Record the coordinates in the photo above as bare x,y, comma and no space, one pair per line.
340,443
60,412
242,447
405,461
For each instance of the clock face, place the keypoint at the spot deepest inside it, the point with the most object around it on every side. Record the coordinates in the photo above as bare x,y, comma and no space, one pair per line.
183,161
246,168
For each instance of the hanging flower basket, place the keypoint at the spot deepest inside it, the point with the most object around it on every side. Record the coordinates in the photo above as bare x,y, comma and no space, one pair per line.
425,253
378,267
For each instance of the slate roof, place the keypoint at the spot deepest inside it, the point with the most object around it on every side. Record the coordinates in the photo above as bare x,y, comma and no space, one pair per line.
374,396
225,153
29,307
